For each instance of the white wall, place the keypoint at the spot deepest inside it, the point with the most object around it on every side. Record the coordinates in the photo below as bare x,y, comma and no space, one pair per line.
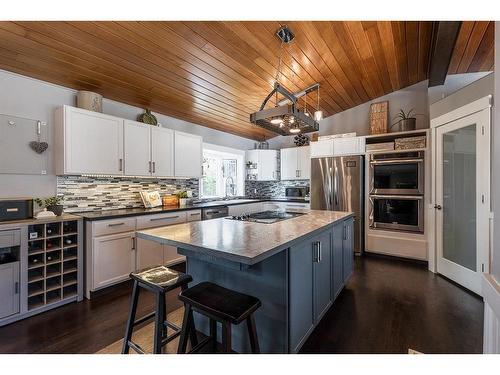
466,94
26,97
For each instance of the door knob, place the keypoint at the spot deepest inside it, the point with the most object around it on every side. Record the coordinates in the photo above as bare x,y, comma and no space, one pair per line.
437,206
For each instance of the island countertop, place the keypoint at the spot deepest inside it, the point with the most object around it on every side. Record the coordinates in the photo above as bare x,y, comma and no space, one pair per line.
242,241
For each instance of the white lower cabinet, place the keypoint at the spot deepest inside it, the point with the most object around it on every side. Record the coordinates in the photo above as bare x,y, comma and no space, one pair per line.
9,289
113,258
113,250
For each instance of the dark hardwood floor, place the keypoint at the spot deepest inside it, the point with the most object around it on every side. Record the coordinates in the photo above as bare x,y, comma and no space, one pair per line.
391,305
388,306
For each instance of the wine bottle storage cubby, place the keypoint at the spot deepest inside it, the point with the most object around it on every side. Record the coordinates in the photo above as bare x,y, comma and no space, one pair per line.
70,240
53,296
36,246
36,274
52,229
36,231
53,256
70,227
70,266
52,262
53,243
70,253
70,291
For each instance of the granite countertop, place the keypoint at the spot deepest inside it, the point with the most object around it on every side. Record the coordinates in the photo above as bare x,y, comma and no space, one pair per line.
242,241
124,212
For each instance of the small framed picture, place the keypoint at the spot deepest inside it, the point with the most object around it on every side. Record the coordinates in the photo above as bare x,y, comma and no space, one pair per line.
33,235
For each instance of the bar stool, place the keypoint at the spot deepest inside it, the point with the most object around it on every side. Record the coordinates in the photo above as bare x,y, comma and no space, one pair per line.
159,280
219,305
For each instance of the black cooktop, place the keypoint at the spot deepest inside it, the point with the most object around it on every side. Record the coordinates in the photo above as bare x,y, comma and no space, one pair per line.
266,217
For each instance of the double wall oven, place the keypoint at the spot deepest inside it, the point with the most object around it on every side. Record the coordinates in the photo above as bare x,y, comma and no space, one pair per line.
396,191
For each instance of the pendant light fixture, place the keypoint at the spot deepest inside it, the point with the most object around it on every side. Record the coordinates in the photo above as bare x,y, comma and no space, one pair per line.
285,117
318,115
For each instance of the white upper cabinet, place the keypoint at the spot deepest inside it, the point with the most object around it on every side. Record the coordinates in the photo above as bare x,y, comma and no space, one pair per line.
267,164
338,146
188,154
322,148
349,146
88,142
296,163
289,163
162,152
137,140
304,162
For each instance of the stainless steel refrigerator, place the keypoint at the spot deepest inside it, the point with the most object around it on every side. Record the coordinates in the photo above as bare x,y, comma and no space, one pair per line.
337,184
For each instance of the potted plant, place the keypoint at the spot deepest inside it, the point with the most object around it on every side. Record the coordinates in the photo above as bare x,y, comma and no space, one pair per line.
406,121
183,195
51,204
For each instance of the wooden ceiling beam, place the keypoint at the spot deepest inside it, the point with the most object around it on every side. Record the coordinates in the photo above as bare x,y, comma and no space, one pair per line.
444,38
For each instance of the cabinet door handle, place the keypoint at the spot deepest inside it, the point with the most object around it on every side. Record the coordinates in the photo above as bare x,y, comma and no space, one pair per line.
319,251
16,287
133,243
154,167
344,234
120,162
150,169
115,224
195,214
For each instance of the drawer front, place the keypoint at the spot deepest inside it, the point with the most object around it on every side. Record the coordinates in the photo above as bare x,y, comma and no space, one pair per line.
194,215
100,228
160,220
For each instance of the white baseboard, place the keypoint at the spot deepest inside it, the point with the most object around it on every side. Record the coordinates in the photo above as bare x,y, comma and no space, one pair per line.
491,295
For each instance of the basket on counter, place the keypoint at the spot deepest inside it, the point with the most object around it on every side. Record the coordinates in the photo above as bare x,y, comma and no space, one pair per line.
410,143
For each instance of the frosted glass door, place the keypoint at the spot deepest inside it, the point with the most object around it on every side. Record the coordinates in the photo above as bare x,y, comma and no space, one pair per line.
460,199
459,196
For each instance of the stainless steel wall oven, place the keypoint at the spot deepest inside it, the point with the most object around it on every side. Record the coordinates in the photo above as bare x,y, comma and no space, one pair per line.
397,173
396,199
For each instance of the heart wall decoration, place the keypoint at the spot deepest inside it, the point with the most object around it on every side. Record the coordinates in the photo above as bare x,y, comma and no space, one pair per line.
39,147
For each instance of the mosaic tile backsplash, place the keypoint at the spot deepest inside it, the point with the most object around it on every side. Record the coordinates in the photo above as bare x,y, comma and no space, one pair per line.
103,193
273,189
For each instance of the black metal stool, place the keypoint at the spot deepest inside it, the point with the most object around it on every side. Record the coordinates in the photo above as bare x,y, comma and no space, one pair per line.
159,280
219,305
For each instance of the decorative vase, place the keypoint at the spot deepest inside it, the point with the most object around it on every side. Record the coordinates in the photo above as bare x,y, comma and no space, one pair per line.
90,101
182,201
405,125
148,118
56,209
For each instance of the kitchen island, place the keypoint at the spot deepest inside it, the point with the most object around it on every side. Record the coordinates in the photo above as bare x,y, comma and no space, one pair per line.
296,267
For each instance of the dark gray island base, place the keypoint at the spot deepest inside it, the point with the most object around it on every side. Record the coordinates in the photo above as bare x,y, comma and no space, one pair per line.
296,267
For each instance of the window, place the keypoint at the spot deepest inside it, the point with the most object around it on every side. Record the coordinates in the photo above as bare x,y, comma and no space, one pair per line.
222,172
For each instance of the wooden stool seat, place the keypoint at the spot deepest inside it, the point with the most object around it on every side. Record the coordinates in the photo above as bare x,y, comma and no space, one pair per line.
221,305
161,278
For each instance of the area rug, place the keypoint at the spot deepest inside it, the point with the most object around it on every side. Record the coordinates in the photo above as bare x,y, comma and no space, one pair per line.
144,337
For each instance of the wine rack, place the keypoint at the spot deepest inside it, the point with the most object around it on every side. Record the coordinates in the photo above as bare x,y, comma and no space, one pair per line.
52,262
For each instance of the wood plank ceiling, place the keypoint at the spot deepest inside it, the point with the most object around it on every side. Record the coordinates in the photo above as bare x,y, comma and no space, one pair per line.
216,73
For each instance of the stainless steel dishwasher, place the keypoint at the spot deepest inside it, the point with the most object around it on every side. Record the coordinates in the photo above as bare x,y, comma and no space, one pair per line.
214,212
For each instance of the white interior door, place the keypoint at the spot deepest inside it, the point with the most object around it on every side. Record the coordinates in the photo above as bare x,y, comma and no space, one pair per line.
462,199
